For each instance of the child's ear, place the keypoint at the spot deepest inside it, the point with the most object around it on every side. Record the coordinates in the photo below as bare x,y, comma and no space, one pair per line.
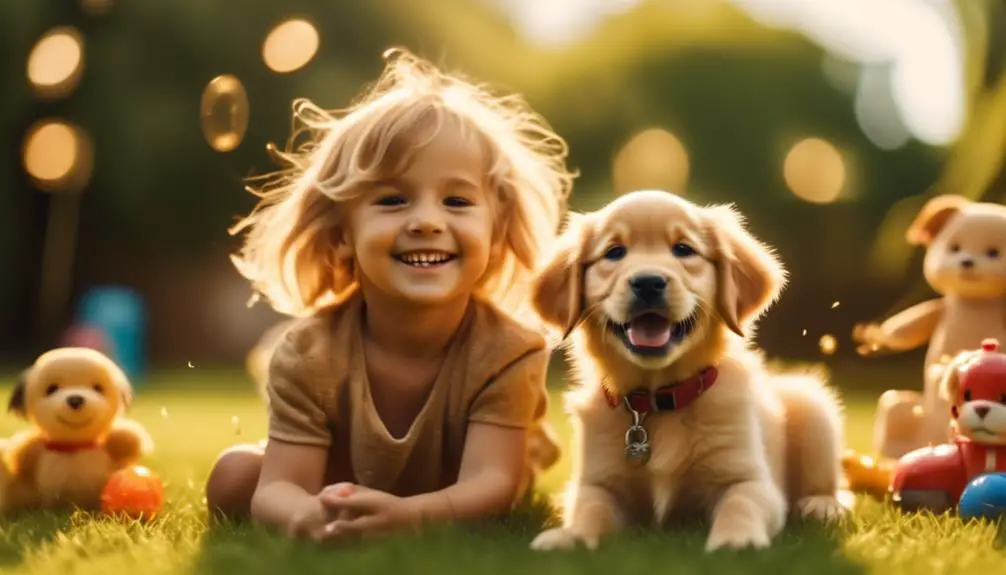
932,217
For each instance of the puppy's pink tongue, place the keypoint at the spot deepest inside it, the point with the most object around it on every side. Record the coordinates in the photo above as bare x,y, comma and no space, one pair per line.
649,331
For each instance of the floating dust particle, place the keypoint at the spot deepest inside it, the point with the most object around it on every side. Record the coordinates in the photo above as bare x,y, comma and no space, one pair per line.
835,304
164,412
236,422
190,364
804,331
828,344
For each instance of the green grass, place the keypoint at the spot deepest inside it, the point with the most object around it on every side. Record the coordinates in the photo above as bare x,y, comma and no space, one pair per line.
194,413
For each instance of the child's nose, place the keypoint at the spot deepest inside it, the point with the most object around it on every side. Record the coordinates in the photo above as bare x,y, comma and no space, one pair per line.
426,219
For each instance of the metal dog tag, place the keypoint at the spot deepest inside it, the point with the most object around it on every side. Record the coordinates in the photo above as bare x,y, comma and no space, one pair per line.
637,445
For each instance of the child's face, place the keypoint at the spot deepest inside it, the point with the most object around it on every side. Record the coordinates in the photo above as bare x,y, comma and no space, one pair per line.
425,236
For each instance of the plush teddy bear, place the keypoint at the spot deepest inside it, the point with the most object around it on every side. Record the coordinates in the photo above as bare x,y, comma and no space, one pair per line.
965,263
74,399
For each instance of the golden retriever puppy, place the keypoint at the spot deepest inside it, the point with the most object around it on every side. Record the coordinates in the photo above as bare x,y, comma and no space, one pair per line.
676,416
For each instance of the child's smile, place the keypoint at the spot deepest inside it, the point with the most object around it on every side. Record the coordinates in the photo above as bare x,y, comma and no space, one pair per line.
426,259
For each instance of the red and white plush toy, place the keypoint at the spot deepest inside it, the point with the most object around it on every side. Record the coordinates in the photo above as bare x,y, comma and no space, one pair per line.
974,384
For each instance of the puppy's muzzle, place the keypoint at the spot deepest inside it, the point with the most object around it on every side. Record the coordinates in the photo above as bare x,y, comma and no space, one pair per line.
75,401
648,291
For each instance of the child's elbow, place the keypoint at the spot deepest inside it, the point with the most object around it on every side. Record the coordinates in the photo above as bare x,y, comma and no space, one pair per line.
506,487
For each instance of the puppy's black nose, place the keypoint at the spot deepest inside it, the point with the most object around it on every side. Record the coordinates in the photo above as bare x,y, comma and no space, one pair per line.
648,288
75,401
982,411
967,264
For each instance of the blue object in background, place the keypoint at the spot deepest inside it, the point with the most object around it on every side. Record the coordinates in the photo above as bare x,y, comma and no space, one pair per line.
119,313
985,496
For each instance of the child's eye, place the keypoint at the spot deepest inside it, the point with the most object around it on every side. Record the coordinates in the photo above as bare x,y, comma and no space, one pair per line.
967,395
456,202
390,200
992,253
1002,399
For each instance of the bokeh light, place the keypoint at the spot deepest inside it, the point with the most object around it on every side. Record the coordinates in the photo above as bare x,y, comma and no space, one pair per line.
828,344
651,159
224,113
814,171
57,156
56,62
290,46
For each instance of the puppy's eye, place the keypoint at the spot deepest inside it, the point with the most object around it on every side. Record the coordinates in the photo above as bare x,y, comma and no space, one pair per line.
682,250
97,387
53,388
615,252
967,395
954,248
992,253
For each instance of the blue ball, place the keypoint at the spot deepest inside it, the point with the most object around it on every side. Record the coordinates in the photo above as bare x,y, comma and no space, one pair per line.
985,496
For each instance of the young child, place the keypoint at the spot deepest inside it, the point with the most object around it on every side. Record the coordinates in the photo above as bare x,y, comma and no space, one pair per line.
403,239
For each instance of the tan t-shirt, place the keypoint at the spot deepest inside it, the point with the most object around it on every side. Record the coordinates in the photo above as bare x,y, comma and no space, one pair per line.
494,372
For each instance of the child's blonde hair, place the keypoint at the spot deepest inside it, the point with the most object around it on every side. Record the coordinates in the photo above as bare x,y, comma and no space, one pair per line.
292,254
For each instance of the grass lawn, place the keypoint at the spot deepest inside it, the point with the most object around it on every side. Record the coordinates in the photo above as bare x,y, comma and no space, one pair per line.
194,413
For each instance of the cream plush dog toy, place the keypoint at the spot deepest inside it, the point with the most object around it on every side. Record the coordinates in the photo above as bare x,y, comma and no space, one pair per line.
965,262
74,399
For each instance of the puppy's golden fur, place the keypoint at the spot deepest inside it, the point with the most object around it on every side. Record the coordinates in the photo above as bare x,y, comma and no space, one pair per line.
73,397
754,446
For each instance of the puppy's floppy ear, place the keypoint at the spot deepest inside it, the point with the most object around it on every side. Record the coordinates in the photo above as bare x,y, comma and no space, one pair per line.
932,217
557,290
749,275
16,405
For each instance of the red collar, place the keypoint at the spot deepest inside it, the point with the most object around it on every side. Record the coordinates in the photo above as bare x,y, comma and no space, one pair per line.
70,446
673,397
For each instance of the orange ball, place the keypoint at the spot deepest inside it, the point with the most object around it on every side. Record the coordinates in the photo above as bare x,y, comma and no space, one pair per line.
135,492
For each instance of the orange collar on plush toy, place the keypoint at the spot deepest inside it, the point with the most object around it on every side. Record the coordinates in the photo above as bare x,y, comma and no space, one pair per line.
673,397
70,446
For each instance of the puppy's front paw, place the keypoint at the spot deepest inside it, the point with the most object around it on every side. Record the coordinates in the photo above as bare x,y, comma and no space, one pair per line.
825,508
560,539
737,537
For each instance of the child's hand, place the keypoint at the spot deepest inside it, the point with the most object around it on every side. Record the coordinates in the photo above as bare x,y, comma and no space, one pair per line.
311,522
368,512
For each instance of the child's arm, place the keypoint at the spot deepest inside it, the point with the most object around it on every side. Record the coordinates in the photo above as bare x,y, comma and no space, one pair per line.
284,498
296,455
492,463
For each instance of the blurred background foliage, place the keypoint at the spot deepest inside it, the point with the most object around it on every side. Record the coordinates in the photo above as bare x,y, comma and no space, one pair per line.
720,99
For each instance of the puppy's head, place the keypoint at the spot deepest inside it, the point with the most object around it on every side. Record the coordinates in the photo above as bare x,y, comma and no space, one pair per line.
654,276
966,246
71,394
